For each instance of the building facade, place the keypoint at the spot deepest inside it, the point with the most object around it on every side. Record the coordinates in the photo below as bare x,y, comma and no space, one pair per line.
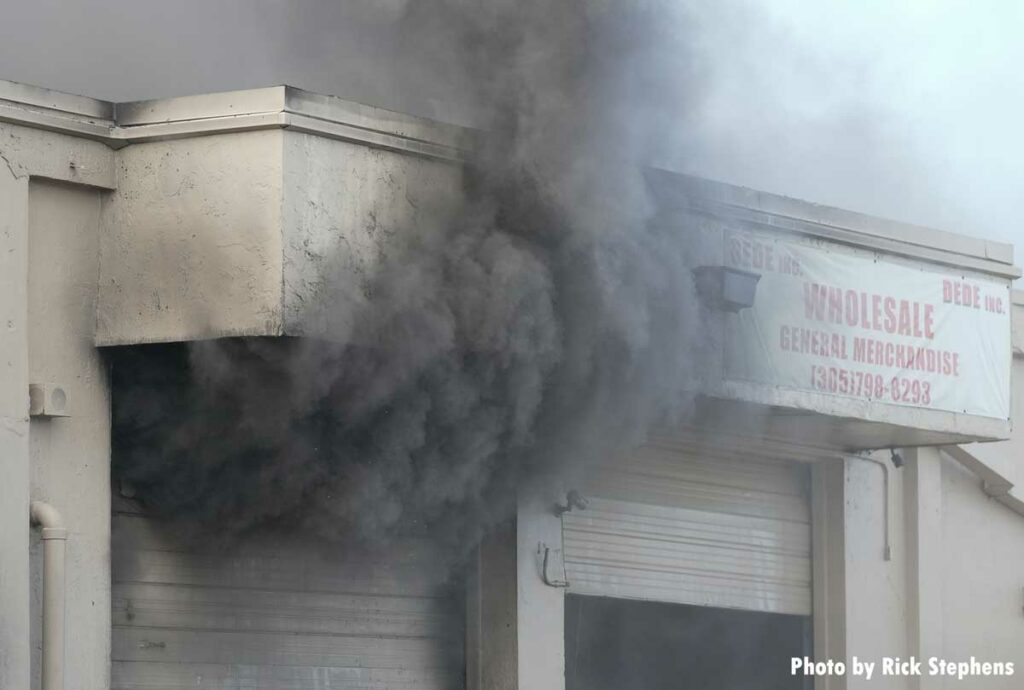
850,484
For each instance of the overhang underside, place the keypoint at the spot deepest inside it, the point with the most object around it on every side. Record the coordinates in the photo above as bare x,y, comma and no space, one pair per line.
716,416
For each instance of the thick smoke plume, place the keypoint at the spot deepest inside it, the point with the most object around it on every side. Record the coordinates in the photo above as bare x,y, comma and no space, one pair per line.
551,323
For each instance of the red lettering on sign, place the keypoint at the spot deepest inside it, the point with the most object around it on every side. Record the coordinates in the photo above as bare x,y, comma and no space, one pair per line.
870,311
961,293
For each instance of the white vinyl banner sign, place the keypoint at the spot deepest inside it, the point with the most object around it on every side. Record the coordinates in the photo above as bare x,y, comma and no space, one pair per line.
836,321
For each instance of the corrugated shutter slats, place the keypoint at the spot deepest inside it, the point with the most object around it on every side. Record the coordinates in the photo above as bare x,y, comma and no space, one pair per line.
277,612
667,526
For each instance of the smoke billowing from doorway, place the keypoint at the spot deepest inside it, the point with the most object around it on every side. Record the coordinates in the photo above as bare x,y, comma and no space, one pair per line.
551,323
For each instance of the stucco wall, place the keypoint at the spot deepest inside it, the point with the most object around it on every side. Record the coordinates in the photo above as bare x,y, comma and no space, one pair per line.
983,547
70,456
14,462
191,246
982,578
954,587
257,233
28,154
346,206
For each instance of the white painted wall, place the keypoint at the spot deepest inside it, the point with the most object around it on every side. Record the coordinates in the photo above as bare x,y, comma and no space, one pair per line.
70,457
14,455
44,249
191,246
345,206
953,589
982,569
982,578
262,233
983,547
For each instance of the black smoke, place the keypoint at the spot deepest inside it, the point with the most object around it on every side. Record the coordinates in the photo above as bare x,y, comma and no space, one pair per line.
551,323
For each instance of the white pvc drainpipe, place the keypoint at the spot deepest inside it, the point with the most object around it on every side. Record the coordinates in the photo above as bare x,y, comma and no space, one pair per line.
54,539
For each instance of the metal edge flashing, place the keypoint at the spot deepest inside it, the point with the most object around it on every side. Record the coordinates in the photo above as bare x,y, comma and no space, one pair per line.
678,192
343,131
47,99
185,129
54,111
285,107
54,121
210,106
279,107
371,118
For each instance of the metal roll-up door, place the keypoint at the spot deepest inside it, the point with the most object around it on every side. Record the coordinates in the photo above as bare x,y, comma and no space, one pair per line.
665,525
280,612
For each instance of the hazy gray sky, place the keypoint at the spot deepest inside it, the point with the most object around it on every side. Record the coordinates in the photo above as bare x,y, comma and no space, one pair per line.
907,109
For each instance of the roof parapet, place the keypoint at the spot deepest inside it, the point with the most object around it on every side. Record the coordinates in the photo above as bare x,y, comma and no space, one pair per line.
276,107
288,108
679,193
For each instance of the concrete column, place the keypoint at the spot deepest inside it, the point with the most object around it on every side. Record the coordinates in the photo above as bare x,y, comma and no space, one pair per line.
923,504
14,438
491,625
516,625
861,589
540,608
829,565
876,596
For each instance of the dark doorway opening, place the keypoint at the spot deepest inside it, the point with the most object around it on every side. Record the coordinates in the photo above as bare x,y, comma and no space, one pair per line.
619,644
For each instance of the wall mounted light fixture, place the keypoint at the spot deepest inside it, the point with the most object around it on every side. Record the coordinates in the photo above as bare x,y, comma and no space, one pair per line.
725,288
